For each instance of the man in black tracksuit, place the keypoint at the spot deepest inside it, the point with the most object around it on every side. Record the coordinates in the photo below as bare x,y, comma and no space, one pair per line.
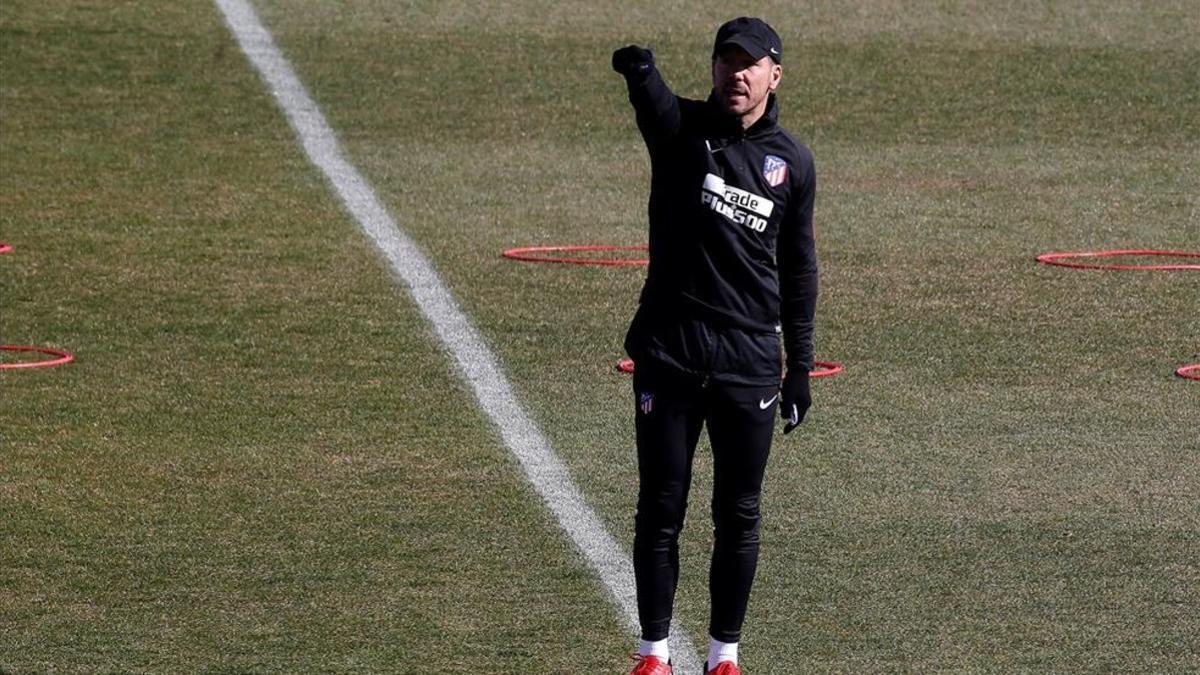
732,270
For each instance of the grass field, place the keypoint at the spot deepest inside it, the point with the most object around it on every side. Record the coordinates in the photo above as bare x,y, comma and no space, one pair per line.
262,460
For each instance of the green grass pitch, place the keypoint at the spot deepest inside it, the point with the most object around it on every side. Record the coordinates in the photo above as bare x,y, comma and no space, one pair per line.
263,461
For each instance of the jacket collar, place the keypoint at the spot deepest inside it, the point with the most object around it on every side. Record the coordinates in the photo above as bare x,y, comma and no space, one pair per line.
729,126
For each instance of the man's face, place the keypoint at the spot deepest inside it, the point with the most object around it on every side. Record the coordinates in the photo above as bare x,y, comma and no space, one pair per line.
742,83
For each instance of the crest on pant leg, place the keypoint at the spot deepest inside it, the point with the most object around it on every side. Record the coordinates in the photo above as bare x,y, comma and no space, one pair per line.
645,402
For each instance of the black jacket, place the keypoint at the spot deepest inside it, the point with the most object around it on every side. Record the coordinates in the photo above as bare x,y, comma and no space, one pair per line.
732,255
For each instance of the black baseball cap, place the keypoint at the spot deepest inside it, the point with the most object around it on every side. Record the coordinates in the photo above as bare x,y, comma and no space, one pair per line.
752,35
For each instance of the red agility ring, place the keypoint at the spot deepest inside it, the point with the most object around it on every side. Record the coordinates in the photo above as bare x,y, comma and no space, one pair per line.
5,248
61,357
1191,372
824,368
1060,258
533,254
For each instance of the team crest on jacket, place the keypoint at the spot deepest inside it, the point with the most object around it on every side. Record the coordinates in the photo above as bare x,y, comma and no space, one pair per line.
646,402
774,170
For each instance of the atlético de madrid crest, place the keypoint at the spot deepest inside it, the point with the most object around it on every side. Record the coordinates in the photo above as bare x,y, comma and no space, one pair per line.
774,170
646,402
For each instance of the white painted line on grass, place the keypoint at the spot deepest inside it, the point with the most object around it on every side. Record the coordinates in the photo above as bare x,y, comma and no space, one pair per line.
475,361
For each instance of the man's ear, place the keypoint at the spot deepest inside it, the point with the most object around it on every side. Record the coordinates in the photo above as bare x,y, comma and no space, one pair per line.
776,76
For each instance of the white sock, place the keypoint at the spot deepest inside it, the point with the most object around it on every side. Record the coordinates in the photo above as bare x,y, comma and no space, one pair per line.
721,651
654,648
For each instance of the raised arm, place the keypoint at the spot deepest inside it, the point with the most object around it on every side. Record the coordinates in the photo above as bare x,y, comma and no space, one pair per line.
656,106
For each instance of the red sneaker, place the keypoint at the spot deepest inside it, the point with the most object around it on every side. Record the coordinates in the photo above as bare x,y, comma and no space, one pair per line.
650,665
725,668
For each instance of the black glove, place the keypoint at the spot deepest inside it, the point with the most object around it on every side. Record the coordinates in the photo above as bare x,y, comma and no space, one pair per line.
794,398
632,60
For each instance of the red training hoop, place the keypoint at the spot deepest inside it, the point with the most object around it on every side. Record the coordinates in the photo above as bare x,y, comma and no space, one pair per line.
5,248
1191,372
1060,258
823,368
61,357
826,369
532,254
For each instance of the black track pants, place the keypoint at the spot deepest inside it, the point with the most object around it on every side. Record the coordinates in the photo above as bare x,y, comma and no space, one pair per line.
669,418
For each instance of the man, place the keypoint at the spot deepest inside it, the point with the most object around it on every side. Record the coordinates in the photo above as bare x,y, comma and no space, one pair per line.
732,268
